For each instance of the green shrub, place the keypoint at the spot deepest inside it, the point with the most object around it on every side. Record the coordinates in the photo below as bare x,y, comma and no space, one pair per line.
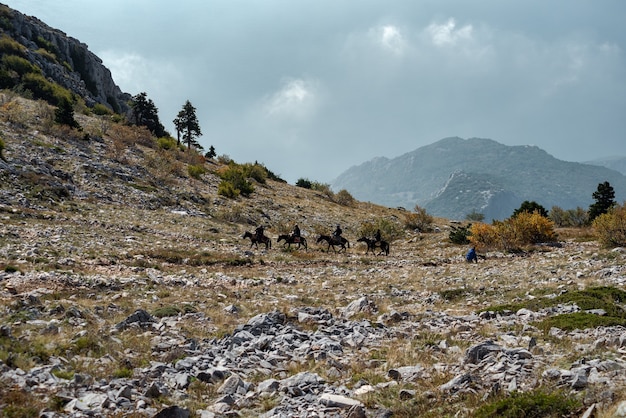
227,189
11,269
460,234
101,110
166,311
9,46
234,181
255,171
389,230
20,65
41,88
304,183
610,227
196,171
166,143
537,403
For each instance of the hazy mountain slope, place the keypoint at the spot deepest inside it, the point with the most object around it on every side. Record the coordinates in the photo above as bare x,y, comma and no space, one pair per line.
614,163
520,172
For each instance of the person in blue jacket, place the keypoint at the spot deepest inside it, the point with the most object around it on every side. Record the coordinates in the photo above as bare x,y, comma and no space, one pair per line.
471,256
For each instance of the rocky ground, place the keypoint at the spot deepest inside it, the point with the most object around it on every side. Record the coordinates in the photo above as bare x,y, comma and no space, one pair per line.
127,290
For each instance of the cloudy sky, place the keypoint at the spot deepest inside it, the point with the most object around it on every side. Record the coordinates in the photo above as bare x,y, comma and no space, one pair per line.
313,87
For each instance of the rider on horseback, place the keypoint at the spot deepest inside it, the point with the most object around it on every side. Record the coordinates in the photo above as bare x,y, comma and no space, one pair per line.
296,233
337,234
377,238
259,231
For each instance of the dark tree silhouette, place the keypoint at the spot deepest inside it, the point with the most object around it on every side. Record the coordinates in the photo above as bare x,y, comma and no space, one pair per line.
64,114
144,113
604,200
531,207
211,152
186,123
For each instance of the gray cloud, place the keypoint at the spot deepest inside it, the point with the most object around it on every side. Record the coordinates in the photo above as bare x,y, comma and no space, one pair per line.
310,88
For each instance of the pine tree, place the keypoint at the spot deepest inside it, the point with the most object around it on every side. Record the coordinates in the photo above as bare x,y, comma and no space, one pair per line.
604,200
187,124
145,113
64,114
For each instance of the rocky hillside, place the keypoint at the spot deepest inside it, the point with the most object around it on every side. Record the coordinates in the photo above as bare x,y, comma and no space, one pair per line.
60,58
126,289
453,177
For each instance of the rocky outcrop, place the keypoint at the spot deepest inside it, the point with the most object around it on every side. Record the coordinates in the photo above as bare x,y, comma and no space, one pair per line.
63,59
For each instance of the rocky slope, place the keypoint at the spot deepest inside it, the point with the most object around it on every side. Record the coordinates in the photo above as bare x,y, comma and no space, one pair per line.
127,290
63,59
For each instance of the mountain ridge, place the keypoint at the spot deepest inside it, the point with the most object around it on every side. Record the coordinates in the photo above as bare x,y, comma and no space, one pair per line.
524,172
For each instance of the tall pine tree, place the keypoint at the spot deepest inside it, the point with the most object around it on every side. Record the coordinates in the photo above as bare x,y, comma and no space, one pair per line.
186,123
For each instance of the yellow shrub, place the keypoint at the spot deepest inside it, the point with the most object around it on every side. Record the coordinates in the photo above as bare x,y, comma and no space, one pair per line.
523,229
611,227
483,236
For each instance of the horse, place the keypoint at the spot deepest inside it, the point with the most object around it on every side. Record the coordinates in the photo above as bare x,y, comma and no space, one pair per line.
372,244
290,239
333,241
254,240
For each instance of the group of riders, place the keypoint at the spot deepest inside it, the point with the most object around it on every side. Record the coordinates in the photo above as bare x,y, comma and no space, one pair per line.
295,233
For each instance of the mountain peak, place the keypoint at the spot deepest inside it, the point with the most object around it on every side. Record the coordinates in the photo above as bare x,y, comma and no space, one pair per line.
446,176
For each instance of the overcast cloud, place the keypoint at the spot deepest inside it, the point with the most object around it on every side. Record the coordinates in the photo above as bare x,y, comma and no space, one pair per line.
311,88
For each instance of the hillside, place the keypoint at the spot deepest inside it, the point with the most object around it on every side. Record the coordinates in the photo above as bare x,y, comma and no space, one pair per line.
38,58
119,268
127,289
495,179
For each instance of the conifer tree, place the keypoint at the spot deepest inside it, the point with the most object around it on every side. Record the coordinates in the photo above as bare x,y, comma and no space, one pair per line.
604,200
187,124
145,113
64,114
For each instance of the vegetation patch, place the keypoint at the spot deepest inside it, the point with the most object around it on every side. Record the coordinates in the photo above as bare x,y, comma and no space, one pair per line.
607,299
538,403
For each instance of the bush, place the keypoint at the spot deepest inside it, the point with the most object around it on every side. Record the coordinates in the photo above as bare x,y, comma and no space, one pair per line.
20,65
101,110
9,46
196,171
513,233
166,143
41,88
536,403
530,207
304,183
568,218
418,220
344,198
234,179
459,234
610,227
227,189
255,171
389,230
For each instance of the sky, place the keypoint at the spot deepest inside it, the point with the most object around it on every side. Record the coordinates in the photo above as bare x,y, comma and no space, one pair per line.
311,88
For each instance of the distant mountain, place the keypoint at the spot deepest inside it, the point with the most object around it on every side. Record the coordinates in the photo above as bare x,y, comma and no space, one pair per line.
614,163
454,176
39,59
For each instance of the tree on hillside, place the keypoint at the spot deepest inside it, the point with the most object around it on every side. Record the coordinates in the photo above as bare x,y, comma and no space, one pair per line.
186,123
143,112
531,207
211,152
604,200
64,114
